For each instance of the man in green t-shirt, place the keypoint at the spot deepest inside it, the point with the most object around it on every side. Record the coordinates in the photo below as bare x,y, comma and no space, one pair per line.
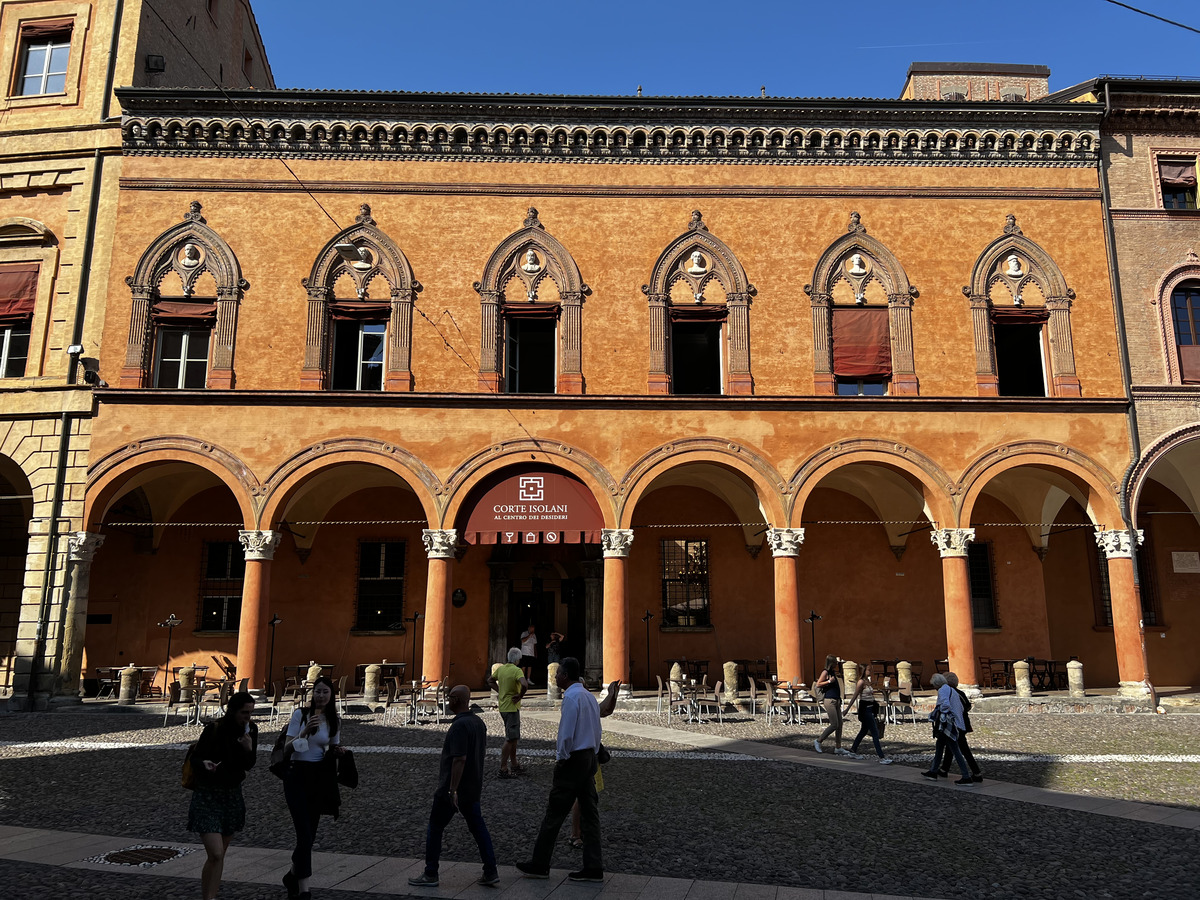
511,684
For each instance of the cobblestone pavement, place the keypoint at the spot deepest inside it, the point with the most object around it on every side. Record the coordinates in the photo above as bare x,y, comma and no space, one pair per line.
682,814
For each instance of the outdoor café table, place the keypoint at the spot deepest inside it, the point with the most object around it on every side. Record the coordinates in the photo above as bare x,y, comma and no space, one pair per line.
885,666
1006,669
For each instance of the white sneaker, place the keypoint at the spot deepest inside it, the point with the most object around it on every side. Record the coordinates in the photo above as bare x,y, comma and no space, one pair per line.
856,755
884,761
817,746
841,751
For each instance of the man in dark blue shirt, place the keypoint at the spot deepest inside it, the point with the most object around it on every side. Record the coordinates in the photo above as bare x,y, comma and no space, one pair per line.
460,784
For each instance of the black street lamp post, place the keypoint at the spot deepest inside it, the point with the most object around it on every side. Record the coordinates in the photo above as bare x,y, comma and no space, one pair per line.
275,620
646,618
812,620
414,618
170,624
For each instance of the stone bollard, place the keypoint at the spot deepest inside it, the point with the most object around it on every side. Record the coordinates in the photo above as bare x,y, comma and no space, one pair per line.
553,691
495,693
850,676
1021,678
904,673
1075,679
729,672
187,682
676,673
131,680
371,683
314,669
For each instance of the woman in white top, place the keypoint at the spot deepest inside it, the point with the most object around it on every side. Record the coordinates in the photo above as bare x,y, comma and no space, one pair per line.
309,786
528,650
868,709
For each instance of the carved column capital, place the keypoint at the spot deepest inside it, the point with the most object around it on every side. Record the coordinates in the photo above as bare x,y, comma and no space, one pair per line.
260,545
785,541
1053,303
615,542
1119,544
82,546
952,541
820,299
439,544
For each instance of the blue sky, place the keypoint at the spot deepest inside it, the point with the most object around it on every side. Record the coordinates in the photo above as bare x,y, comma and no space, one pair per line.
797,48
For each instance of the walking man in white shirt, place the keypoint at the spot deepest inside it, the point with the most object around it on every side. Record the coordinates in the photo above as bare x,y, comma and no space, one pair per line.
574,771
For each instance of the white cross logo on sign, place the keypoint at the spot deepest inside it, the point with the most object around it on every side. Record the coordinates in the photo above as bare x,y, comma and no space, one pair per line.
532,487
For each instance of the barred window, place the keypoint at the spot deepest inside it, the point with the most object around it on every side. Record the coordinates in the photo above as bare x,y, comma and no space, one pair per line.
685,593
223,570
380,586
1148,579
983,585
1101,593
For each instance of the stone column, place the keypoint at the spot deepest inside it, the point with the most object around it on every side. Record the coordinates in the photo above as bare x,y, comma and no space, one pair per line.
220,373
824,381
738,323
570,369
491,341
439,547
133,374
660,327
316,341
1075,679
729,676
253,631
956,589
1118,546
81,547
785,548
593,611
986,380
1021,681
371,683
904,376
615,544
1062,347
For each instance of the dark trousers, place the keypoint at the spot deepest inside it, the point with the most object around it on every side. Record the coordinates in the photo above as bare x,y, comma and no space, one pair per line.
870,725
302,784
439,817
944,747
574,779
967,755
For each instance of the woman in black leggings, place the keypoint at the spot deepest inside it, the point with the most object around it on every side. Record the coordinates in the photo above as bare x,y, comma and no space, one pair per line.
868,709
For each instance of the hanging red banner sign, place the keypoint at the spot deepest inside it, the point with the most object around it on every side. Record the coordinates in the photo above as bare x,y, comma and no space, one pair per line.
535,508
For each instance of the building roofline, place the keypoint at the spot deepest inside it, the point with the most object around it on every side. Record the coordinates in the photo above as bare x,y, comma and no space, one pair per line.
977,68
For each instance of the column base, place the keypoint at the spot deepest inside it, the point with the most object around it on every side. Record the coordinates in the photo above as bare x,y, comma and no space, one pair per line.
1134,690
64,700
971,690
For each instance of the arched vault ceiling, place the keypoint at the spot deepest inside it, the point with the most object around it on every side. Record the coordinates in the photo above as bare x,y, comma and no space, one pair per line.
1034,496
322,492
1179,472
739,495
890,495
167,487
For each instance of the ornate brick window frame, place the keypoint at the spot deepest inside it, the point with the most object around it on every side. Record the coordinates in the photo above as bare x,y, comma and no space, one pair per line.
510,280
882,267
720,264
167,255
1160,155
1042,270
24,240
379,257
1188,270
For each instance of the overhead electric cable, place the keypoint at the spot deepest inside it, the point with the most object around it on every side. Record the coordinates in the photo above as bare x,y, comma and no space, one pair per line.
1153,16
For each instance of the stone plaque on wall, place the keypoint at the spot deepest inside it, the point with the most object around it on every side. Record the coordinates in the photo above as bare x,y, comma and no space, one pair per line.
1186,561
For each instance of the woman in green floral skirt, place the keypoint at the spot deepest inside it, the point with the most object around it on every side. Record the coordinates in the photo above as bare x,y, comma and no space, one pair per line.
225,751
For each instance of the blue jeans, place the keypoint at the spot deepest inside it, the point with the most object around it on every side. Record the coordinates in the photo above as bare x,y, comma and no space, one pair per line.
439,817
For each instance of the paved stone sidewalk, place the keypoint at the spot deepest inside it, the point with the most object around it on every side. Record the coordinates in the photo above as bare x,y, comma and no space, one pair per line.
1104,806
376,875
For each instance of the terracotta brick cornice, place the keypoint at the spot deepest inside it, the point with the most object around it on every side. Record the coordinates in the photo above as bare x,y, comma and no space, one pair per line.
506,127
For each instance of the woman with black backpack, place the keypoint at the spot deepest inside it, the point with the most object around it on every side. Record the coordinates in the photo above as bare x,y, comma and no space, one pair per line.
220,759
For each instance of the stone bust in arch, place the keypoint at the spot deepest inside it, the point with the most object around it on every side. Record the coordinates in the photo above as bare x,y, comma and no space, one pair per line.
370,259
512,277
184,251
697,257
859,258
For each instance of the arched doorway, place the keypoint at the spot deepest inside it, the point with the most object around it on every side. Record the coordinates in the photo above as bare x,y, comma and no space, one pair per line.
16,509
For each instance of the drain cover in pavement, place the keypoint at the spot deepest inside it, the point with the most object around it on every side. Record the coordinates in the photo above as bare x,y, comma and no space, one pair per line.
141,855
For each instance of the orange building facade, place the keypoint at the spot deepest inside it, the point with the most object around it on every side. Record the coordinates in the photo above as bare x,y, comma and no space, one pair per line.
665,375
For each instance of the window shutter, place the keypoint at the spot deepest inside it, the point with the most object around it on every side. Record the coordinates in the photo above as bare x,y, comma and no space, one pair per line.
47,28
18,292
862,345
184,312
359,310
1189,364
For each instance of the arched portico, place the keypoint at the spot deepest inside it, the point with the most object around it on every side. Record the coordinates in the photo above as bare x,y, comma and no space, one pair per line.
1028,512
699,513
870,572
16,511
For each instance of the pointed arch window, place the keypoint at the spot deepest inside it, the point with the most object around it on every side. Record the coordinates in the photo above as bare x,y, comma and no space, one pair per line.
187,288
360,302
699,299
1021,318
531,296
862,318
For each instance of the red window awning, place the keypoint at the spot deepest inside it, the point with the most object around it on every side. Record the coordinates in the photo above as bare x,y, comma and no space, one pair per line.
1177,173
360,310
184,312
535,507
1020,315
47,27
531,310
862,347
699,313
18,292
